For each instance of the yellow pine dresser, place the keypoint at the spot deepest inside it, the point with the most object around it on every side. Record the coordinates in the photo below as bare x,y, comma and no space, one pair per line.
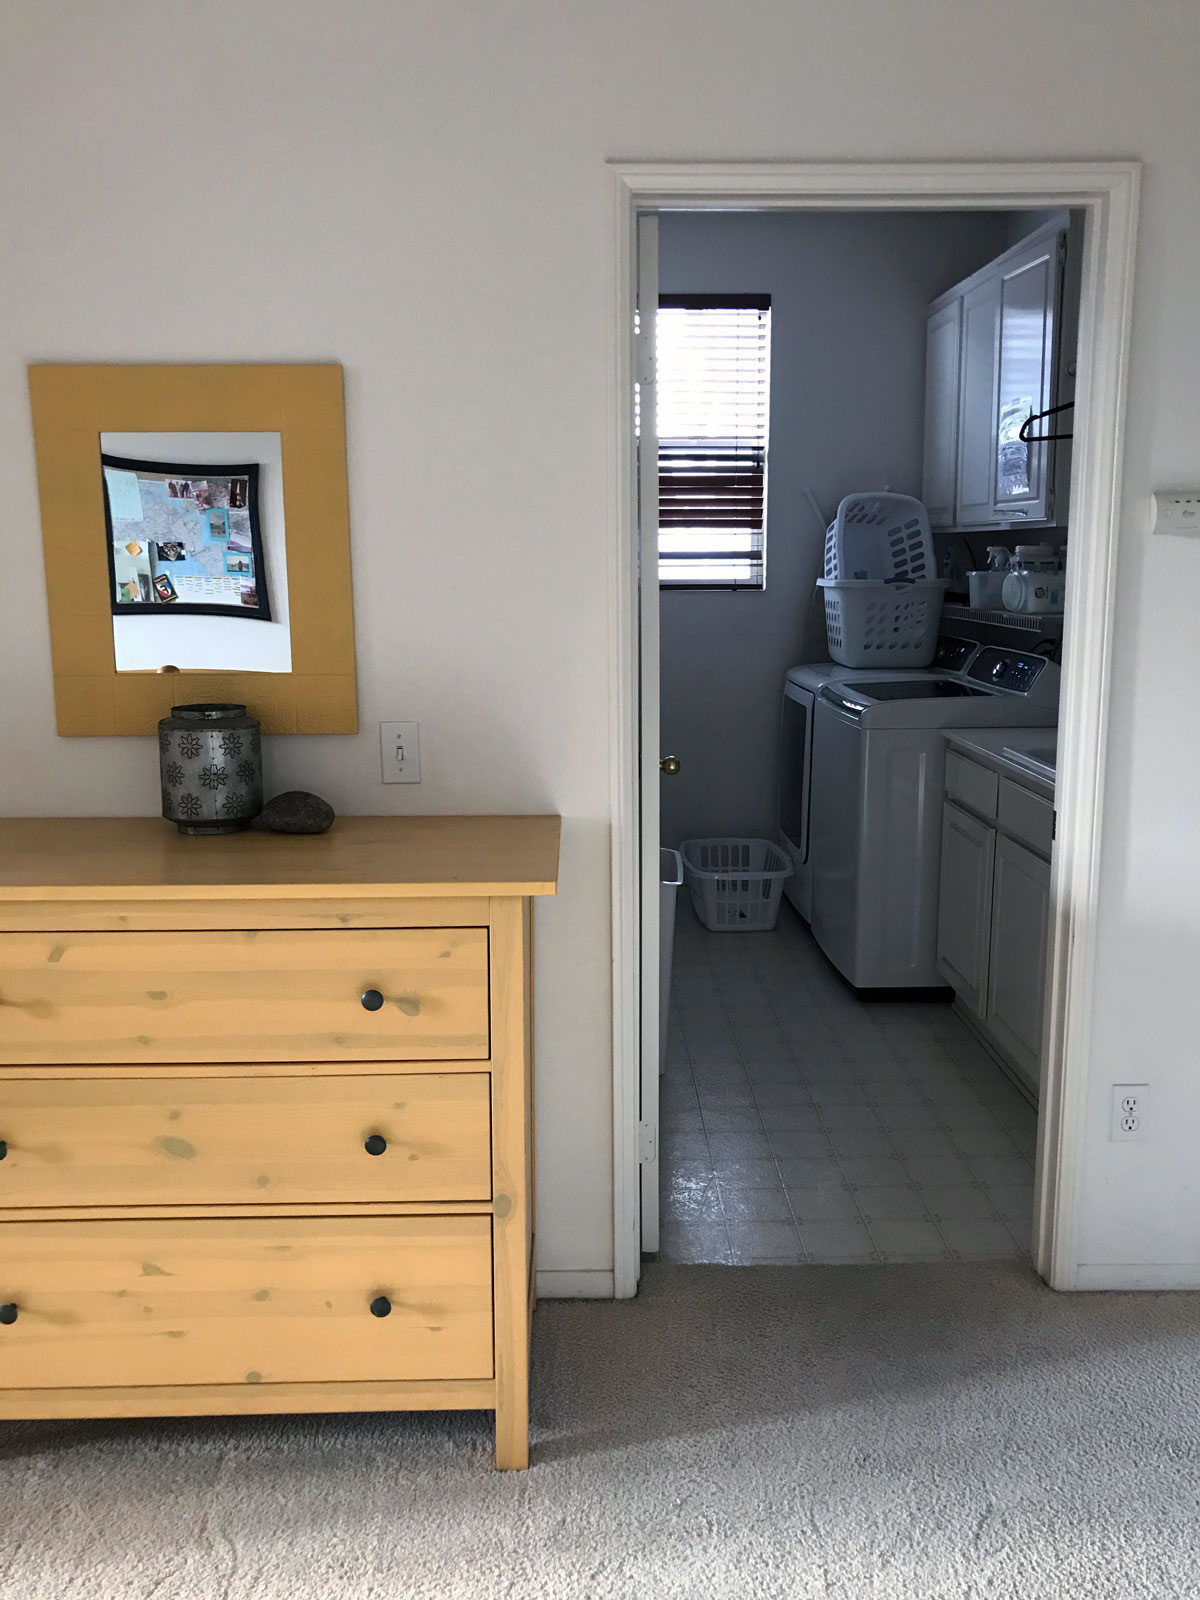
266,1118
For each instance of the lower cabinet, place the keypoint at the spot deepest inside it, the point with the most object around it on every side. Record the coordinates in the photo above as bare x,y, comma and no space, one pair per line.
1016,988
965,903
993,930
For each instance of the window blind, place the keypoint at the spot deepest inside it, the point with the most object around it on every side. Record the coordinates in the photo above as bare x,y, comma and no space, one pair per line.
713,384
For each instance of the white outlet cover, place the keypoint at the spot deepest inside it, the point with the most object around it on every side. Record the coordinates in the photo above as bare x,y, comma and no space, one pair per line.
1175,511
1139,1094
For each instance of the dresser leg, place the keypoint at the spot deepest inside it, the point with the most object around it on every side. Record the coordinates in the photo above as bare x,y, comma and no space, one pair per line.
512,1433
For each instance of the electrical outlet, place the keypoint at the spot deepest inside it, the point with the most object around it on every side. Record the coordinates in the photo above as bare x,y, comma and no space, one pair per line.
1129,1108
400,752
1175,511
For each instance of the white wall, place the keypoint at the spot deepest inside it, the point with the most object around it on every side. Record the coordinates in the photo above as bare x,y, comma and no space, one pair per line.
849,297
418,191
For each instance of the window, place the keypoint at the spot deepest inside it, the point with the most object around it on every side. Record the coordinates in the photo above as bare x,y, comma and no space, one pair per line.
713,367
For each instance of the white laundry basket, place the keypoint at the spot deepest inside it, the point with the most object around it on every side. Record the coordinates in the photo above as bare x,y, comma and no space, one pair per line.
670,876
872,623
880,536
736,884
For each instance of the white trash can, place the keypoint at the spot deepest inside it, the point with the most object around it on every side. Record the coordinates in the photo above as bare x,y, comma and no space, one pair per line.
670,875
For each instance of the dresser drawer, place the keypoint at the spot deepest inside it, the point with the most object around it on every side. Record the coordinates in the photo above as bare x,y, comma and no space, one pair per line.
244,996
266,1301
238,1141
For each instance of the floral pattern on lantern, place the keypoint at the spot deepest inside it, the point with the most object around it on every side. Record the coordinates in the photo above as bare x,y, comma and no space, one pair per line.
198,744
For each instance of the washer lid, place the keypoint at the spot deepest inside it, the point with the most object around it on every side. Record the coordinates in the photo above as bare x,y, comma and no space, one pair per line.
914,689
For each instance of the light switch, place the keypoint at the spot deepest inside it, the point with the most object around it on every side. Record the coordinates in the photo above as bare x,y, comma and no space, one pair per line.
400,752
1175,511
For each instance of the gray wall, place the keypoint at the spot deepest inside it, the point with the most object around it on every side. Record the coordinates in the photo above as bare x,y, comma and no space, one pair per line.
848,301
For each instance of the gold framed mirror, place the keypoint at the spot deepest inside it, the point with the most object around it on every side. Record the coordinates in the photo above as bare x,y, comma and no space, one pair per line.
265,619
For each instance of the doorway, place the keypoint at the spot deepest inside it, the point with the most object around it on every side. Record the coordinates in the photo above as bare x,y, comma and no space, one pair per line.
1106,197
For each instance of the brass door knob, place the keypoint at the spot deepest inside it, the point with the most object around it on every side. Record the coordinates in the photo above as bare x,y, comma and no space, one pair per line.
670,765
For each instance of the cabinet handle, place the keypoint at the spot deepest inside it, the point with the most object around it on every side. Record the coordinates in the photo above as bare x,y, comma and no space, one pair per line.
3,1148
381,1306
375,1144
8,1314
372,1000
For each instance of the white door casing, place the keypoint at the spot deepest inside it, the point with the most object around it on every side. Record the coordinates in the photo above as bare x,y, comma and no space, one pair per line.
649,707
1107,193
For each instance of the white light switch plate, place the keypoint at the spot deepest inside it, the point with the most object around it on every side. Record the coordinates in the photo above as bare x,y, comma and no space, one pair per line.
1175,511
400,752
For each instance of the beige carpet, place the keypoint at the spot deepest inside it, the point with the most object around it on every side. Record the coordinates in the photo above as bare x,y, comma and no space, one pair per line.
872,1433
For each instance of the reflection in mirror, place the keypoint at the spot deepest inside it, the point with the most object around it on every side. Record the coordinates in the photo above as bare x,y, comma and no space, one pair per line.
197,551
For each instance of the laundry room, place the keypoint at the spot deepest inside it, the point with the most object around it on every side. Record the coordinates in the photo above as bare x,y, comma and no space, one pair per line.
863,438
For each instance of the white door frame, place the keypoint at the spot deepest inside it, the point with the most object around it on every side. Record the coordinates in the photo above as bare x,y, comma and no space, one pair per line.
1107,193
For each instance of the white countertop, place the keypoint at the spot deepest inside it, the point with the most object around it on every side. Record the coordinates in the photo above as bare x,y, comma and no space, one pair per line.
987,746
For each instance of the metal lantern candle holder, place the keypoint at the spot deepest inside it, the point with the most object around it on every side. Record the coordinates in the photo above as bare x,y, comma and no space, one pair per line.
210,757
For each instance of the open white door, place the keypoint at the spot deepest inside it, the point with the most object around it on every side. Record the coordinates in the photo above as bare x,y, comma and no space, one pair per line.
647,298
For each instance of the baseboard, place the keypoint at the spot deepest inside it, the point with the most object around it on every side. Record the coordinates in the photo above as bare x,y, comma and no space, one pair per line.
584,1285
1126,1275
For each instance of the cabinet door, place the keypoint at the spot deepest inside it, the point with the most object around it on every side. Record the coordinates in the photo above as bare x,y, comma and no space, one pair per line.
977,402
1017,967
1029,286
965,904
939,473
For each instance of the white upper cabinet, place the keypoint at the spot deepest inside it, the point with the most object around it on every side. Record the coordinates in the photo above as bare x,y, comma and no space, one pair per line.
940,469
977,403
1030,293
993,355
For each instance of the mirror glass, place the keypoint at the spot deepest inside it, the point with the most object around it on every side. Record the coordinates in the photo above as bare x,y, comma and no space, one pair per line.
197,551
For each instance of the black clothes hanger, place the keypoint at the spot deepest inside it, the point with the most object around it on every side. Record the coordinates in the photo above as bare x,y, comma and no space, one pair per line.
1036,416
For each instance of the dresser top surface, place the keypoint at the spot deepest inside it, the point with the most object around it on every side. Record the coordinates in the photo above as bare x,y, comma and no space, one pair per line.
92,858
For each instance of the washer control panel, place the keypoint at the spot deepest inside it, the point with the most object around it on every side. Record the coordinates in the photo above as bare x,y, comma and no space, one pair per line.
951,654
1013,670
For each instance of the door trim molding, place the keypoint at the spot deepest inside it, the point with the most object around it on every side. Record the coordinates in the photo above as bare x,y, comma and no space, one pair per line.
1107,193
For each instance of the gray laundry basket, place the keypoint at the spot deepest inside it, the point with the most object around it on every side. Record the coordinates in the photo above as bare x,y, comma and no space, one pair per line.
736,884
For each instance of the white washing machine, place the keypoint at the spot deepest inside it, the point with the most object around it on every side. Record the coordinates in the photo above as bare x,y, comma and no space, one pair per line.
800,691
796,759
877,768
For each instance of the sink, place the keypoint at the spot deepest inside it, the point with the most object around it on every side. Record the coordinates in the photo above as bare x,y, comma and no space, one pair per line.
1038,758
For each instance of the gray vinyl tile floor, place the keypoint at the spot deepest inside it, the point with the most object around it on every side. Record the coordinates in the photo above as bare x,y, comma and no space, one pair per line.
800,1123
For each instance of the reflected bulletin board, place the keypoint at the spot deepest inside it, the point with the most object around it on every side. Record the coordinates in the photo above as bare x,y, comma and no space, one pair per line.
184,538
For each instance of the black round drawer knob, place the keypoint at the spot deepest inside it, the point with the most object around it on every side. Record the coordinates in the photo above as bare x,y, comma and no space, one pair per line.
381,1306
8,1314
3,1148
372,1000
375,1144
